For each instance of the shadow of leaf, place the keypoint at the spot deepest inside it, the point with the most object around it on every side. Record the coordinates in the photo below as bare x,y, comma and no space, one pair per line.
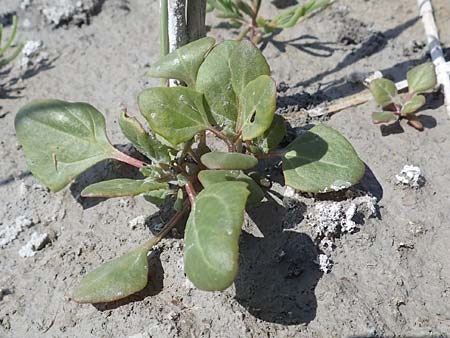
277,275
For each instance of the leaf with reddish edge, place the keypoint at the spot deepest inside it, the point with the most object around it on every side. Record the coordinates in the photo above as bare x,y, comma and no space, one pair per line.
121,187
414,122
383,117
413,105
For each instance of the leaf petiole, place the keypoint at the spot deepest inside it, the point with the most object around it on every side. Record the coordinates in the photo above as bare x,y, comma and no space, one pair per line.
166,229
231,146
122,157
190,190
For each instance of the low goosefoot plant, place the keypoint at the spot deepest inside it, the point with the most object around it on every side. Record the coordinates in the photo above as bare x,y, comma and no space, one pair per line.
229,94
420,79
244,15
4,61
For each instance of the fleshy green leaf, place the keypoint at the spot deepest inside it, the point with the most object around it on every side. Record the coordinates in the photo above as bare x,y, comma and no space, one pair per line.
176,113
121,187
383,90
183,63
295,14
244,7
220,160
152,171
145,143
383,117
115,279
209,177
421,78
257,104
246,64
321,160
61,139
211,252
214,81
158,197
414,104
273,136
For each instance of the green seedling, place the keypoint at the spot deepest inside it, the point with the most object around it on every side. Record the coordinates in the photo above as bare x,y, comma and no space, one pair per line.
5,60
206,140
244,15
395,106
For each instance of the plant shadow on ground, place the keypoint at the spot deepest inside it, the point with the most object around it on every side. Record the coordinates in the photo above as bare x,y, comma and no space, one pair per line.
339,88
277,271
277,274
12,178
281,4
308,44
11,89
374,44
155,286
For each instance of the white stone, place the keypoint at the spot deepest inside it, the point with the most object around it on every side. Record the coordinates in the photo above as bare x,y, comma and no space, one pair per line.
289,192
349,225
410,176
9,232
32,48
324,263
35,244
138,221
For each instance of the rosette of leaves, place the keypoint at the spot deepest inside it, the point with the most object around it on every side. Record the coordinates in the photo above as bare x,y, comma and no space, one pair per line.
229,94
5,60
397,106
244,14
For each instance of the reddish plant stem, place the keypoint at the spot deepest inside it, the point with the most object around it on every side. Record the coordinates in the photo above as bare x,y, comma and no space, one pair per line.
122,157
409,96
238,136
166,229
231,145
197,159
190,190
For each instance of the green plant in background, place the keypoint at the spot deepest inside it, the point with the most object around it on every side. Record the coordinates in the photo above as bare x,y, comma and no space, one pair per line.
5,60
395,107
205,147
244,14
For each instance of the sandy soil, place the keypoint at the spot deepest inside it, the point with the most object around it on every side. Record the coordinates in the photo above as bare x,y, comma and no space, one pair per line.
390,279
